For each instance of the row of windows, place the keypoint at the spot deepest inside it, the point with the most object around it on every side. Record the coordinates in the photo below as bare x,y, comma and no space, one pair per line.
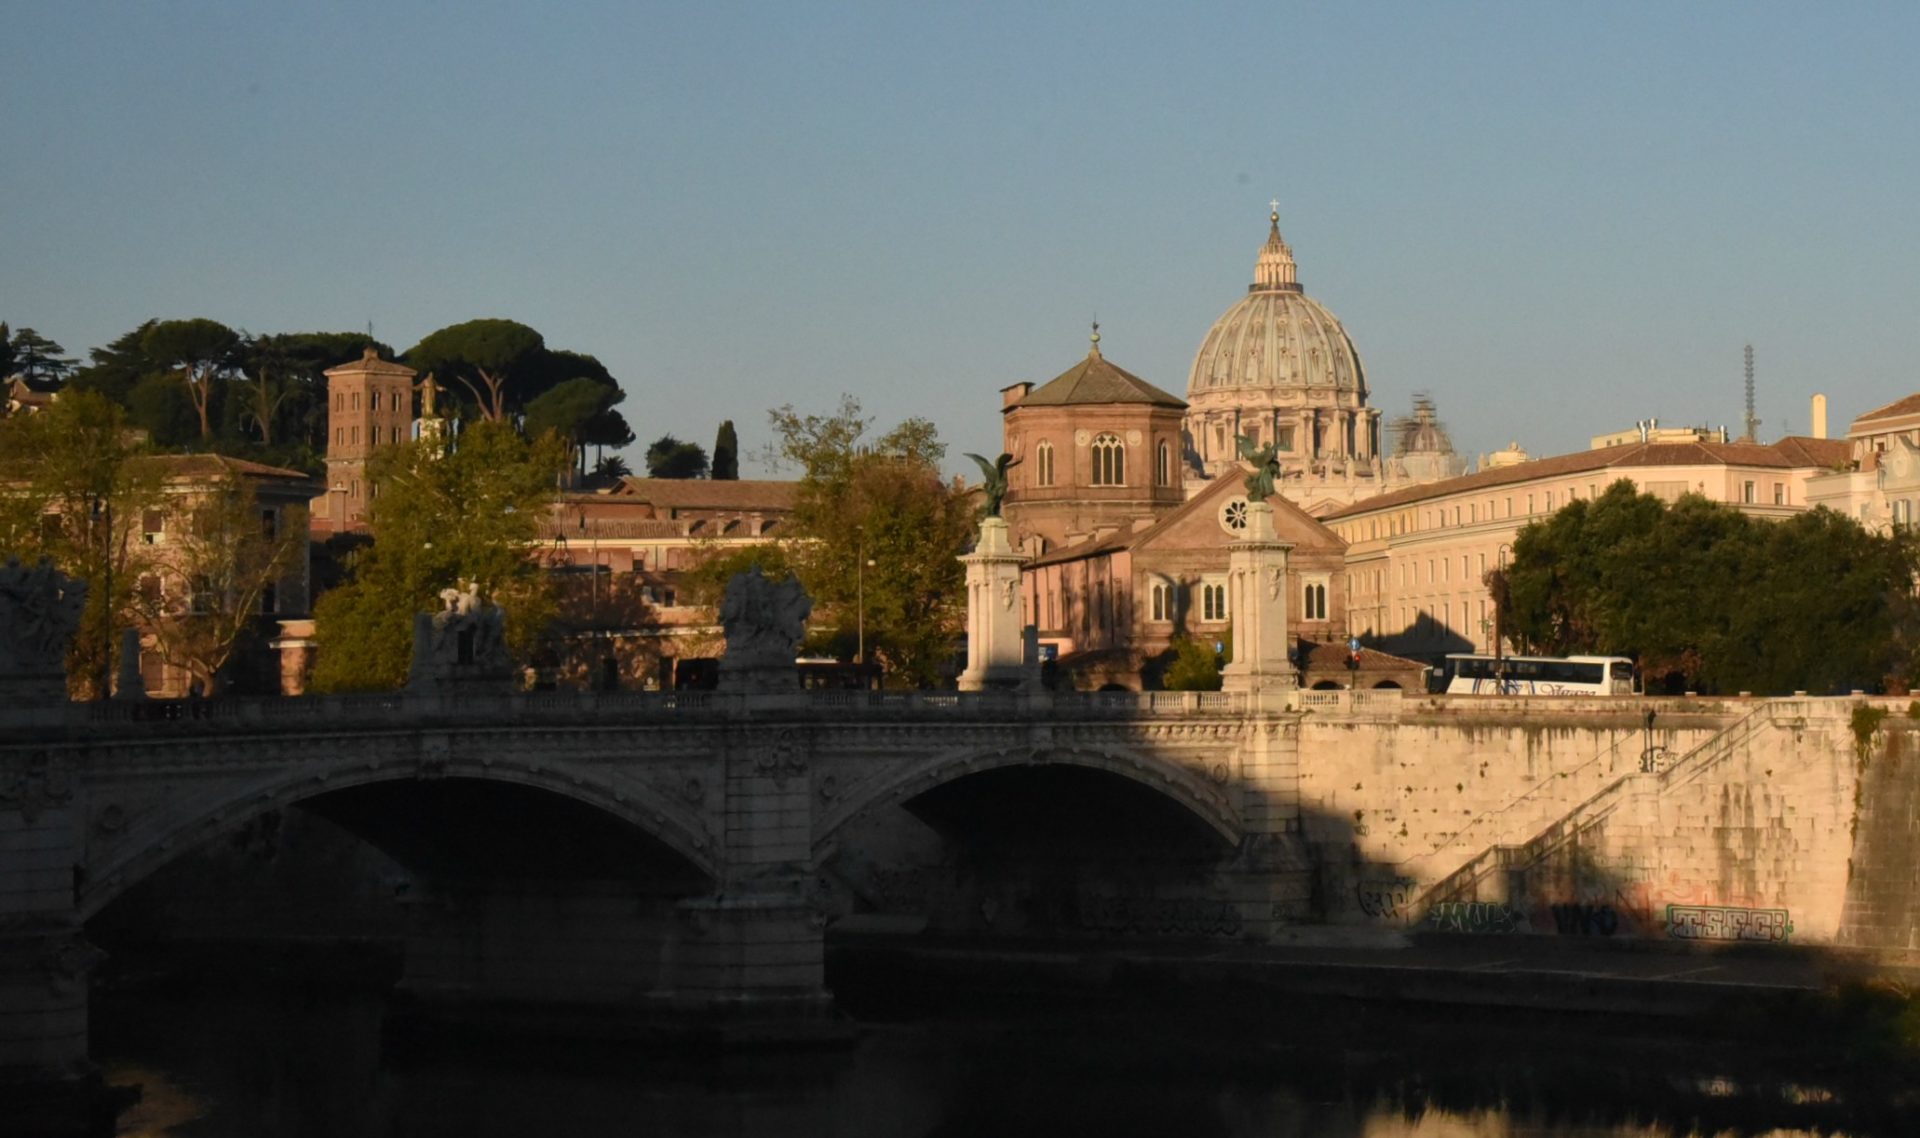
1165,600
343,436
1164,597
202,598
1493,509
395,401
1108,459
1441,569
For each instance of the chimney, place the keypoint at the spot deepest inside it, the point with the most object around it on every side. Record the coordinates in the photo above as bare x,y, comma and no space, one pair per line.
1819,416
1013,394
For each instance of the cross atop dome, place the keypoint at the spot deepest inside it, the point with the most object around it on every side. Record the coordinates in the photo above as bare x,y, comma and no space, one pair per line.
1274,269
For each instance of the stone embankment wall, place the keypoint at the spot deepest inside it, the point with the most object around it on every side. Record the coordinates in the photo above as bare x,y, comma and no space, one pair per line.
1721,821
1883,889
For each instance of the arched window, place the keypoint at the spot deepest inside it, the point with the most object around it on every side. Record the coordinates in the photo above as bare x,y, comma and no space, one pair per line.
1163,467
1162,601
1043,464
1109,461
1213,602
1315,607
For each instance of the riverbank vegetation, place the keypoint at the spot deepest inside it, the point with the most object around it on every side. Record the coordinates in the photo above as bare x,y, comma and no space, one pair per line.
1706,598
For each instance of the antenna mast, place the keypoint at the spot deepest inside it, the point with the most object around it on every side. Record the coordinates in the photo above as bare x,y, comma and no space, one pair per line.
1753,421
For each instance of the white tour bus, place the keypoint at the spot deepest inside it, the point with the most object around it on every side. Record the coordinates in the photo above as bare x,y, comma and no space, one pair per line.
1538,675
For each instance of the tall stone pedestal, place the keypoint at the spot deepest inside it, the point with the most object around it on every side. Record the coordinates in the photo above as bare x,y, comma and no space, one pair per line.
47,1084
1257,596
995,649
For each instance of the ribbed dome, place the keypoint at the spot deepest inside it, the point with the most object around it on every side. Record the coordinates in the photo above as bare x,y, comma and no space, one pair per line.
1275,337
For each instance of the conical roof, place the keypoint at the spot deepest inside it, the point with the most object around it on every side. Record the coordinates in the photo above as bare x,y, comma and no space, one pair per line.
1097,380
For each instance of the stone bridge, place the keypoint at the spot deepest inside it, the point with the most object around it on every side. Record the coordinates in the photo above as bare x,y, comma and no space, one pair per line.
690,849
651,848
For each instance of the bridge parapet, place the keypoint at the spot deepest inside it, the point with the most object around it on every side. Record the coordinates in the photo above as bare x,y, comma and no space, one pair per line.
388,709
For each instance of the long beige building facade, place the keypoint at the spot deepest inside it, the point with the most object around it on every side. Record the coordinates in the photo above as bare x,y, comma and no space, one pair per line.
1417,559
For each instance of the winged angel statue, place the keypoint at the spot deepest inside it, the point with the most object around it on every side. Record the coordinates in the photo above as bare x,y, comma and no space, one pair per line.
1266,467
993,479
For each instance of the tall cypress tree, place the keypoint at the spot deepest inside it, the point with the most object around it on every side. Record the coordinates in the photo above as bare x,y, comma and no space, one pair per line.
726,454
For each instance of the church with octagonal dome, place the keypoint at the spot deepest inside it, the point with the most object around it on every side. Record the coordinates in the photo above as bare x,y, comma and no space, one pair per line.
1103,450
1125,496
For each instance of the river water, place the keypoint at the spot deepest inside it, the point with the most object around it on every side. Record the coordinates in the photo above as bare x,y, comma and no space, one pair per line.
294,1059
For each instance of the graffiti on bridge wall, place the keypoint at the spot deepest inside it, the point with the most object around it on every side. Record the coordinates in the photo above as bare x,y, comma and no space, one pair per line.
1479,917
1585,919
1594,898
1714,922
1390,899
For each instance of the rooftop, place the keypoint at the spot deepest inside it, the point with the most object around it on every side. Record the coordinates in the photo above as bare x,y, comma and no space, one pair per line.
1791,453
1097,380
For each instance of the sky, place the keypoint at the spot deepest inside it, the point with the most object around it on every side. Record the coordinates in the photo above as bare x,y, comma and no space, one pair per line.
1556,219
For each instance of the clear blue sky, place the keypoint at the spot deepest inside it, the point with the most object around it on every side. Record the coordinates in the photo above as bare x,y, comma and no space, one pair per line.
1555,218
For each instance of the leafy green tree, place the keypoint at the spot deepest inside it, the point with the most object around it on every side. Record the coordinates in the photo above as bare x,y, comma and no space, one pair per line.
726,453
668,457
607,429
36,357
705,583
568,410
612,468
203,352
161,407
283,386
219,564
6,351
1195,666
501,363
886,504
118,365
76,493
1707,598
440,519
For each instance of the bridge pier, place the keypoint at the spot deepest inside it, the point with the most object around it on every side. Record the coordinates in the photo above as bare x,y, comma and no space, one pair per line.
1270,877
45,958
601,948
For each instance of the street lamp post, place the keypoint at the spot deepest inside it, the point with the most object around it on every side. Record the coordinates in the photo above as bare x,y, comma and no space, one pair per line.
1499,622
861,563
103,512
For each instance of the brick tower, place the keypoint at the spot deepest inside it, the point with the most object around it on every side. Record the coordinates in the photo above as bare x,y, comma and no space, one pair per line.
369,405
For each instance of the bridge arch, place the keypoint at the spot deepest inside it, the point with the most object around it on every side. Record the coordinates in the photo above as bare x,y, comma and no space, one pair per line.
116,862
1207,796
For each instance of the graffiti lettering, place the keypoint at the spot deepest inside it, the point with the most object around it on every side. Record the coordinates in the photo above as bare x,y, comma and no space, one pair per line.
1711,922
1585,920
1473,917
1384,900
1181,916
